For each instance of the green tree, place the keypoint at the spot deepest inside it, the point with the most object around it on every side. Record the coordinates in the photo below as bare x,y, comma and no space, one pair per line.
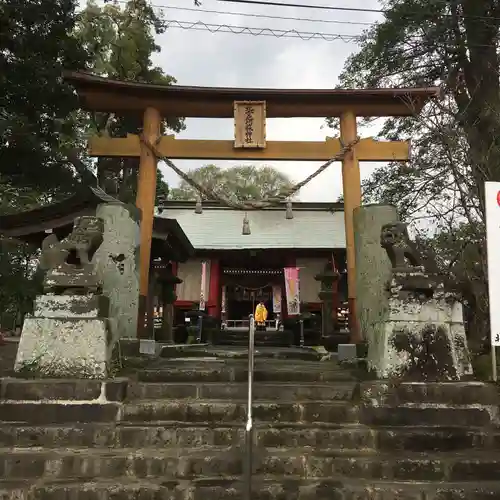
122,41
35,47
35,167
456,141
20,279
42,130
241,183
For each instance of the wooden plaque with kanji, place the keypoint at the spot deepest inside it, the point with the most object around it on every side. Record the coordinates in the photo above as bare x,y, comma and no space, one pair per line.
250,124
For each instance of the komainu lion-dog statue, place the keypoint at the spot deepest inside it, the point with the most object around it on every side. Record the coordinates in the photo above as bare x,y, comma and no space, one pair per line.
85,238
401,251
69,262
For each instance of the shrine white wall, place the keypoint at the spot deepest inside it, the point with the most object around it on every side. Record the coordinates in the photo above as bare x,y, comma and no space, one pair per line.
309,287
190,273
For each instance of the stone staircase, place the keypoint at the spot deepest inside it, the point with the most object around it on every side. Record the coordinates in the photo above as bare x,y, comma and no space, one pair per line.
269,338
176,432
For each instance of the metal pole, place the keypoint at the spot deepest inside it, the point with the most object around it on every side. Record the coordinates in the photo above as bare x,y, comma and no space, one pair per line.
494,363
302,340
200,329
249,425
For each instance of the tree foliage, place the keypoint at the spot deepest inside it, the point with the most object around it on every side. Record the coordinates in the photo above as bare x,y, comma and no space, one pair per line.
42,130
242,183
35,47
21,281
456,140
121,39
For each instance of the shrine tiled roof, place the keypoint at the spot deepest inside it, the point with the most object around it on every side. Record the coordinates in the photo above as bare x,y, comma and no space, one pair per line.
314,226
104,94
32,226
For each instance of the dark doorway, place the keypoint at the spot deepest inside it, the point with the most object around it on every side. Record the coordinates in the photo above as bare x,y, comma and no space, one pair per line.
243,300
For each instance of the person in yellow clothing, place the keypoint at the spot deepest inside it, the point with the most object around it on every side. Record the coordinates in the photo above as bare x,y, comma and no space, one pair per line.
261,315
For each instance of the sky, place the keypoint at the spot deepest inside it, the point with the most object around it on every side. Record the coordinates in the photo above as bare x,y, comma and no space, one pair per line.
201,58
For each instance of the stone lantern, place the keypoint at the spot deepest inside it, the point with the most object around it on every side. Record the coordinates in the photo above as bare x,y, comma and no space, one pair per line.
166,281
328,295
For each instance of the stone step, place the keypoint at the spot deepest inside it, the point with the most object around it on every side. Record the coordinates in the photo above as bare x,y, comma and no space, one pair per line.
211,462
237,372
231,411
262,489
258,343
343,390
57,389
125,489
212,411
52,412
244,334
276,343
184,435
466,393
118,390
259,336
427,415
440,439
453,393
234,353
417,439
333,489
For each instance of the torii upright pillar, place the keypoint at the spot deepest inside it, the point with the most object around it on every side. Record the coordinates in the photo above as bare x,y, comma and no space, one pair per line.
351,182
146,194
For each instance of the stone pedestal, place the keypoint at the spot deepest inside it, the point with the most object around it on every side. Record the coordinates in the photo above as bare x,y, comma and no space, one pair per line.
116,264
423,337
66,337
373,270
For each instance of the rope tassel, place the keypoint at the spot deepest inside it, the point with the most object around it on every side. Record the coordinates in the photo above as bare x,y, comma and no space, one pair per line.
246,225
198,208
289,211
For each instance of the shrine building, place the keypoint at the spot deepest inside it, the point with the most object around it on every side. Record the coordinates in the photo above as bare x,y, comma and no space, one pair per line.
239,257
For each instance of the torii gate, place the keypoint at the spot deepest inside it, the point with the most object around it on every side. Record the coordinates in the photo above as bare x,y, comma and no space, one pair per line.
250,108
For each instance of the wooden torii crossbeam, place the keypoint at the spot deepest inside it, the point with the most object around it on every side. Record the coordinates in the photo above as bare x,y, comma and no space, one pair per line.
250,108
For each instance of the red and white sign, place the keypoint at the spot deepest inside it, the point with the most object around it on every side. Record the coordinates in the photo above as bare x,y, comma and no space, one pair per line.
276,299
292,290
203,287
492,193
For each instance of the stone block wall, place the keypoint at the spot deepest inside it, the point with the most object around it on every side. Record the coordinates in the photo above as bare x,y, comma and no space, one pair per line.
117,266
373,271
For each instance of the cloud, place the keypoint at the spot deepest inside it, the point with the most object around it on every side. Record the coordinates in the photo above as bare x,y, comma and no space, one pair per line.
229,60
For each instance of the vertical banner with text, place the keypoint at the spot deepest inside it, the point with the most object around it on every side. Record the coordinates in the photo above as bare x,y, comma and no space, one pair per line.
492,194
276,299
203,287
223,303
292,290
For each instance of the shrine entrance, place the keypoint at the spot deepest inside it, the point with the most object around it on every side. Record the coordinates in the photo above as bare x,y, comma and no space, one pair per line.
248,277
250,108
242,300
243,289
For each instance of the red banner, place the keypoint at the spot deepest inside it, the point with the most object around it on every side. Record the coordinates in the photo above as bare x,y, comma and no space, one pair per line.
203,288
292,290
